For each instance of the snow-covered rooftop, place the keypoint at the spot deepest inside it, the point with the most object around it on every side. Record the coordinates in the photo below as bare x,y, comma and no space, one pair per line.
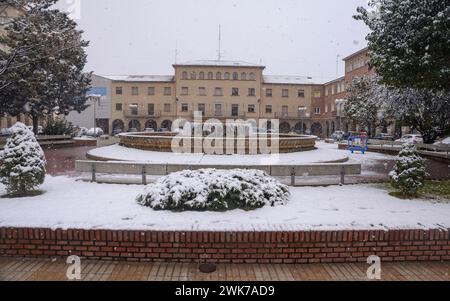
140,78
220,63
289,79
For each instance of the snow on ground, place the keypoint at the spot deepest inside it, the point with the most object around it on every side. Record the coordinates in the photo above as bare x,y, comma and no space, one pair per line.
324,153
68,203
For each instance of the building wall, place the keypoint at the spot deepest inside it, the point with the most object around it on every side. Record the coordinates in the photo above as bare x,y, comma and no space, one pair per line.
122,103
101,110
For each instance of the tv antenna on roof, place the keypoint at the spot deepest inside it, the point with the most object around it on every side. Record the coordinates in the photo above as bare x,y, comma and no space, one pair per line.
219,52
176,52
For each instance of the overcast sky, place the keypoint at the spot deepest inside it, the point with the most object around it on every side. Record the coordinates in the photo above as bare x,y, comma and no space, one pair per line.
290,37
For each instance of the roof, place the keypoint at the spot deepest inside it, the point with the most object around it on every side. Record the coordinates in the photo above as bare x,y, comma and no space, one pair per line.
140,78
356,53
340,79
289,80
217,63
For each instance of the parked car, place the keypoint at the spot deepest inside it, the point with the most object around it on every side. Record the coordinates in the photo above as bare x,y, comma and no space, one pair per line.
117,132
95,132
82,131
5,132
149,130
40,130
164,130
337,136
443,142
132,130
411,138
385,137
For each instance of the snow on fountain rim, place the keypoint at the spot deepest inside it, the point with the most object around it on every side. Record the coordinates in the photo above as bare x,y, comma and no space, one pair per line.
325,153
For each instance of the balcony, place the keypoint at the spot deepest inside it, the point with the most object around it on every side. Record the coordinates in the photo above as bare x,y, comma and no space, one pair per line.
291,116
141,114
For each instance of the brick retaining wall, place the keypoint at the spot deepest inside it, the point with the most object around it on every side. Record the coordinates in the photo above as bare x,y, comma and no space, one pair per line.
228,247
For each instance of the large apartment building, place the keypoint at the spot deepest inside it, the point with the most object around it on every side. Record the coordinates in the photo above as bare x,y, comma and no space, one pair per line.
234,90
220,90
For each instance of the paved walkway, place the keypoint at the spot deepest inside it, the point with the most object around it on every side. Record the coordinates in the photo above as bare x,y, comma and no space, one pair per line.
17,269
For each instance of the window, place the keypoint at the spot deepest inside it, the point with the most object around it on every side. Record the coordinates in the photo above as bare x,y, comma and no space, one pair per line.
269,92
251,92
119,107
317,111
184,76
218,92
151,109
193,75
326,109
202,91
201,75
218,75
210,75
184,107
235,110
268,109
317,94
301,93
235,92
119,91
251,108
252,76
167,108
134,91
134,109
285,93
284,111
235,76
227,75
151,91
243,76
167,91
201,108
218,109
184,91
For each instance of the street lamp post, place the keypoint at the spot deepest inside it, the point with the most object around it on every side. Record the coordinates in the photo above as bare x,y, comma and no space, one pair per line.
301,113
339,104
94,98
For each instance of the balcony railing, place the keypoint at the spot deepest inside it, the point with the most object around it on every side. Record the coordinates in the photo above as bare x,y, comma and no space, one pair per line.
141,114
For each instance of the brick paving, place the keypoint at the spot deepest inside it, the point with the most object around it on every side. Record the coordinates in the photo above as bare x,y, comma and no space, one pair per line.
18,269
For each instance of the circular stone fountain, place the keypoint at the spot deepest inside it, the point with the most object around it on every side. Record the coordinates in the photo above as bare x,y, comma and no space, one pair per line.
162,142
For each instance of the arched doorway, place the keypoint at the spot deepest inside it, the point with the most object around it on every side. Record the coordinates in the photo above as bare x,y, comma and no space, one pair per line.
316,130
134,125
166,124
285,128
118,126
328,129
299,128
151,124
333,127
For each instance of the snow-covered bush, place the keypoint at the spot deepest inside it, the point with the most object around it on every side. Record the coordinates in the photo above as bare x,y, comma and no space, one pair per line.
214,190
409,171
22,162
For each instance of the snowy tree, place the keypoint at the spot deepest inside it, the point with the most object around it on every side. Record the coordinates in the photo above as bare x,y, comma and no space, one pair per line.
409,171
409,43
22,167
366,103
423,110
43,64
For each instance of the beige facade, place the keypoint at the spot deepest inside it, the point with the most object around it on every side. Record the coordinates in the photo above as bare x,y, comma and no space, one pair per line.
221,90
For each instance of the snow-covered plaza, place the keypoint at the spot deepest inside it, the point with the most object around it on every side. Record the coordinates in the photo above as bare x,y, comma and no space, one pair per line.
68,203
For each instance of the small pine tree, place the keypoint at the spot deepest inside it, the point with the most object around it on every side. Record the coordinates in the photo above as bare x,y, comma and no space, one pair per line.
409,171
22,163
